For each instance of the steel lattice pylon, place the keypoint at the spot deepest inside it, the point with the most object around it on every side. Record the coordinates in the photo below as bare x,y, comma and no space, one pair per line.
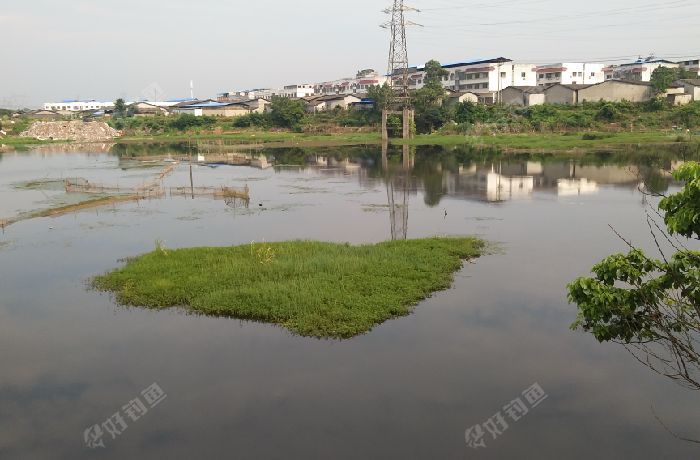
398,52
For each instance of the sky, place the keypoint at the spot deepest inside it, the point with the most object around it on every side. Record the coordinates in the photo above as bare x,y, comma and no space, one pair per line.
94,49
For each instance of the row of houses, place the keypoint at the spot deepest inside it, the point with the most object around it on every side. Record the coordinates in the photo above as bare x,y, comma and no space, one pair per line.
486,80
680,93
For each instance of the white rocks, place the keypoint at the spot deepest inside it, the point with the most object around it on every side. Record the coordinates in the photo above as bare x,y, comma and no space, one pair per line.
93,131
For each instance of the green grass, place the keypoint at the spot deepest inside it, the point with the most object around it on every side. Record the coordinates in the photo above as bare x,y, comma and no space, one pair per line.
16,140
544,141
313,289
252,137
534,141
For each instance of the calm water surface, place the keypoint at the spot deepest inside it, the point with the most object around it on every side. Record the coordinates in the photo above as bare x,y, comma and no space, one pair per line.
71,358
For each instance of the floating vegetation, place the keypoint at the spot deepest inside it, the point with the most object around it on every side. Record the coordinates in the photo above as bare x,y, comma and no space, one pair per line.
311,288
41,184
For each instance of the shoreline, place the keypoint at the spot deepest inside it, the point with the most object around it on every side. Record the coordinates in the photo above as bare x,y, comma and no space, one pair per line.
532,142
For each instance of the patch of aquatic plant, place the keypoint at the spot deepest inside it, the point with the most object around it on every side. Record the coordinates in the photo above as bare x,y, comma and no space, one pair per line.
311,288
41,184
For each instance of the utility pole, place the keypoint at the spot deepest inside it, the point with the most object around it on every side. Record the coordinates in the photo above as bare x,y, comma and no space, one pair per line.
398,68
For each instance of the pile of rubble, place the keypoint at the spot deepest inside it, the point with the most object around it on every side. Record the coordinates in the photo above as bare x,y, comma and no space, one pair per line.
93,131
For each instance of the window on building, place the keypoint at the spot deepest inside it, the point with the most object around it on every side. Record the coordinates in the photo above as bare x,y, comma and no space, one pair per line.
541,76
485,85
523,75
503,75
558,74
549,76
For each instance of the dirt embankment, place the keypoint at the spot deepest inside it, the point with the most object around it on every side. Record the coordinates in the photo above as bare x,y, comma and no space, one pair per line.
93,131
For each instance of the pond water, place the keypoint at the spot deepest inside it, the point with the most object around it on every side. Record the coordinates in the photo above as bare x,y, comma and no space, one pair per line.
71,358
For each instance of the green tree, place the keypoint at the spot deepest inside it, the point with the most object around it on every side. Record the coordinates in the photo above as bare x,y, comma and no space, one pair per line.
381,95
286,112
652,306
430,99
119,108
662,78
432,93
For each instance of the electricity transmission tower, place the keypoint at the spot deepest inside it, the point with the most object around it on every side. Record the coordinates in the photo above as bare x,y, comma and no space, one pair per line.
398,65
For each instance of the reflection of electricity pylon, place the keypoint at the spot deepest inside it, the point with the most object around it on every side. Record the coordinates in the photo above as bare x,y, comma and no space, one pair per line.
397,186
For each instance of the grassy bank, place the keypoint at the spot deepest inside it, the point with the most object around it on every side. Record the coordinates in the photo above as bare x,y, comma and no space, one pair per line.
311,288
16,140
255,137
555,141
531,141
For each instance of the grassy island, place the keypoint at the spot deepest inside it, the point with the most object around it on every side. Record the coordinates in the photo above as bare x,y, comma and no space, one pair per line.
311,288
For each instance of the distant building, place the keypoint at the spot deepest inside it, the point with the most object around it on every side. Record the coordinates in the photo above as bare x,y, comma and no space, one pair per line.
640,70
48,115
78,106
248,94
297,91
222,109
570,73
691,87
524,96
608,91
692,65
617,91
486,78
358,85
190,107
563,94
147,109
457,97
326,103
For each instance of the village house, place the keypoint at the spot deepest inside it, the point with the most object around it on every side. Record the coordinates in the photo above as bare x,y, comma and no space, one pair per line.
190,107
457,97
691,87
46,115
563,94
524,96
617,91
146,109
607,91
570,73
327,103
692,65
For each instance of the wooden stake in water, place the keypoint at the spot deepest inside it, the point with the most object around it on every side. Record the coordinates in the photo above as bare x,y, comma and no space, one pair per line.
191,179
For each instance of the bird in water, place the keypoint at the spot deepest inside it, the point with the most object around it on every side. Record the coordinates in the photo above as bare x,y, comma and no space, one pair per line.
445,213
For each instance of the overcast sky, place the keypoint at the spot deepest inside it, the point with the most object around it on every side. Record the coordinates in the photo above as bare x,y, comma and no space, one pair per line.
91,49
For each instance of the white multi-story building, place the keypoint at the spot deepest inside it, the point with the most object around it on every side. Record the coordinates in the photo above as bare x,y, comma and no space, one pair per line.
486,78
297,91
640,70
248,94
570,73
692,65
358,85
77,106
